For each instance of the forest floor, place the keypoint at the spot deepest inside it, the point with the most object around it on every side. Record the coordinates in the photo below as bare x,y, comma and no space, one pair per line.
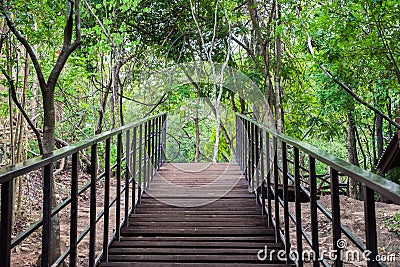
352,216
28,252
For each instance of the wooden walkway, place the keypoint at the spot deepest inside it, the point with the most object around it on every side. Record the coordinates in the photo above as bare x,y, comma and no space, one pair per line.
195,215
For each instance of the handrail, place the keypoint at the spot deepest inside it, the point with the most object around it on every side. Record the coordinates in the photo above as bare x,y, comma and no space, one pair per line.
143,154
372,180
10,172
257,154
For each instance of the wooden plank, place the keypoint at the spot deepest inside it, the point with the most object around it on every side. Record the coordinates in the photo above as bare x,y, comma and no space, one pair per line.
199,244
225,223
225,229
185,250
188,258
192,264
221,231
259,238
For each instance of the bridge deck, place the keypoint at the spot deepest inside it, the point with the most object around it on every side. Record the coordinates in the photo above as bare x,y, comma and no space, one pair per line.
195,215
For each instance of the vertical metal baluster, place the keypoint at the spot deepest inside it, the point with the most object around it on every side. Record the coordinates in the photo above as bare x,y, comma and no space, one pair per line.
262,172
148,154
93,178
106,200
74,212
6,226
256,161
153,140
140,163
145,157
47,205
118,193
241,144
245,147
269,192
159,143
127,176
314,211
251,156
134,160
237,139
335,202
164,138
276,190
370,225
299,235
285,199
156,123
246,150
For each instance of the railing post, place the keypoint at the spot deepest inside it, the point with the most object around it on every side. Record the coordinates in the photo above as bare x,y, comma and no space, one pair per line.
159,148
249,154
246,156
118,191
140,163
145,155
47,205
153,148
156,143
148,155
299,234
314,211
252,159
257,161
5,226
370,225
93,178
336,229
74,211
237,139
239,148
134,169
127,175
276,190
164,137
269,193
106,200
285,199
262,166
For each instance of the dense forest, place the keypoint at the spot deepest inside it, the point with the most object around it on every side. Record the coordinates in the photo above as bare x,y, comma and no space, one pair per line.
328,71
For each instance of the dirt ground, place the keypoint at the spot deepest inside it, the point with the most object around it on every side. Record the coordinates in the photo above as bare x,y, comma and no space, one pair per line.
352,216
28,252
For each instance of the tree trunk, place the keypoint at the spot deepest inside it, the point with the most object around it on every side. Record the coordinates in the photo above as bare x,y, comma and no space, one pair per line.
49,124
354,186
277,76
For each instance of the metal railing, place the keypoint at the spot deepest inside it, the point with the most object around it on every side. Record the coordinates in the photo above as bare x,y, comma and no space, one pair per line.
271,161
144,143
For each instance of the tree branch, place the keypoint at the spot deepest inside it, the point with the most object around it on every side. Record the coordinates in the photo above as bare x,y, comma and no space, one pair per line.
24,42
68,48
248,50
349,90
21,109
